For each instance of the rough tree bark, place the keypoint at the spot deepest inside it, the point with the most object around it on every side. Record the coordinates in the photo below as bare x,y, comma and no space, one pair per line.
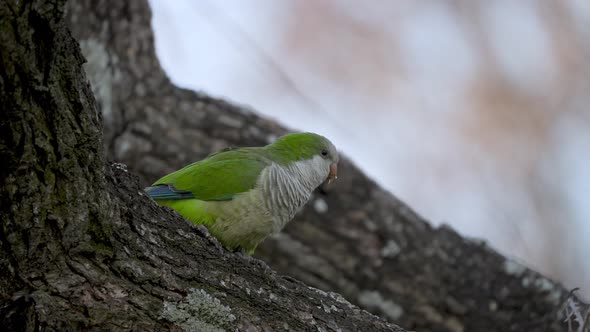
355,239
83,248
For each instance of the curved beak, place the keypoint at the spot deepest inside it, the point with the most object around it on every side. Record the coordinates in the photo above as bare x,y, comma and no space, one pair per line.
333,175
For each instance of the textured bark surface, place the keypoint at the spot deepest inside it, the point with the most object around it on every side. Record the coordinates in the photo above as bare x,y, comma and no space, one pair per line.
353,238
82,248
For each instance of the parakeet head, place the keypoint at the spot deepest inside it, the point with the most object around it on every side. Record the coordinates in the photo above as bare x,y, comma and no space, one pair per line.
311,154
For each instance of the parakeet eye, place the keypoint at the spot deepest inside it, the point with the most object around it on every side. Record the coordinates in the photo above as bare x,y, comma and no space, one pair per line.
324,152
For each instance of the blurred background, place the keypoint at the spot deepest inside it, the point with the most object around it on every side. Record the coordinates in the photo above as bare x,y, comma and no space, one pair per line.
474,113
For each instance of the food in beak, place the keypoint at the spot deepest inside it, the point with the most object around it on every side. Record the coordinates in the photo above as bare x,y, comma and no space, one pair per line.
333,175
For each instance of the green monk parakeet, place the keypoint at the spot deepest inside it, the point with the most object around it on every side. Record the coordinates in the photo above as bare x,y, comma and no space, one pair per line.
243,195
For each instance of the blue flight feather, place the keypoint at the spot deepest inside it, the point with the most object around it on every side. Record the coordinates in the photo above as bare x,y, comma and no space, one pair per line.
167,191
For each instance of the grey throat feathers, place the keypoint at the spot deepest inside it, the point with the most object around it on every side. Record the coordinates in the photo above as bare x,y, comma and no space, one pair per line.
288,188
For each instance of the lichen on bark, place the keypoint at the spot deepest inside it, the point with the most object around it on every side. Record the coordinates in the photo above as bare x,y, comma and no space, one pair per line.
199,311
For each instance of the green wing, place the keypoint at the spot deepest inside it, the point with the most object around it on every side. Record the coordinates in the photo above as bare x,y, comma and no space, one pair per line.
217,178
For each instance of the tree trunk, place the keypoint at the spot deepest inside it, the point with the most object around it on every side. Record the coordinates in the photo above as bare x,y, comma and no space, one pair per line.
366,245
83,248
